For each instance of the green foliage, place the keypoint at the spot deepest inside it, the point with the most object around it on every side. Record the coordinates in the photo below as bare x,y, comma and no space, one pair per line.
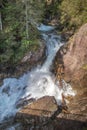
73,13
52,10
13,41
20,17
35,10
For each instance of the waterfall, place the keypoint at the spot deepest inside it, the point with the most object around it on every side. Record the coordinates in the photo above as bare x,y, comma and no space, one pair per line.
36,83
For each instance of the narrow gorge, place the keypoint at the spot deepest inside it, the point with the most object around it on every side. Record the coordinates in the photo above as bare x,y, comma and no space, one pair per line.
43,65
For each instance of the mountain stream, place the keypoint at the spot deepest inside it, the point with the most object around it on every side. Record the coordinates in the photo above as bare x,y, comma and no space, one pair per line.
36,83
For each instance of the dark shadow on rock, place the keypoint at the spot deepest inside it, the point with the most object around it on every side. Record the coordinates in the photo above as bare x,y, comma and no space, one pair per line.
46,123
58,59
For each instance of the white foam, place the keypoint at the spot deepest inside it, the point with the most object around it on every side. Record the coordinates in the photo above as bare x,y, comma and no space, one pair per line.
45,28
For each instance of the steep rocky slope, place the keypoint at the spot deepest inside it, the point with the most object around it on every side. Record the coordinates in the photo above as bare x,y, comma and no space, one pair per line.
75,60
73,56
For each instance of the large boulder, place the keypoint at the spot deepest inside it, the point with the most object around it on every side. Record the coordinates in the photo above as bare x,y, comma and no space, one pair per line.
38,113
44,114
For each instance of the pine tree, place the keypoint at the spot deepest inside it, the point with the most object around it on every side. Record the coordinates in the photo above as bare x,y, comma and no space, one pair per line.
19,18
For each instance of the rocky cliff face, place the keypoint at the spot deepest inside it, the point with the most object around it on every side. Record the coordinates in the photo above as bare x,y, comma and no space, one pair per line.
74,58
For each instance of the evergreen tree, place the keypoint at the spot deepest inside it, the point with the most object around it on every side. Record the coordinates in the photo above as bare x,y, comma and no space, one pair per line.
74,13
19,19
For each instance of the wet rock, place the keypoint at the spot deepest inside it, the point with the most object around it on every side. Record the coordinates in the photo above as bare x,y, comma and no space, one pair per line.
34,56
14,127
78,104
37,113
6,123
23,102
44,107
6,90
44,114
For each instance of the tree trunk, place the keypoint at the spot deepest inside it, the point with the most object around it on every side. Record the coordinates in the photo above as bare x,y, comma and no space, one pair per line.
26,12
0,22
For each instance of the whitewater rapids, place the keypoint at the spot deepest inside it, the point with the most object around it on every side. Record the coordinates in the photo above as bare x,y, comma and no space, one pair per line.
36,83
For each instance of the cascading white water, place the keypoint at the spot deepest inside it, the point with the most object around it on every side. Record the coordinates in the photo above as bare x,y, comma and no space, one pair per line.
35,84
